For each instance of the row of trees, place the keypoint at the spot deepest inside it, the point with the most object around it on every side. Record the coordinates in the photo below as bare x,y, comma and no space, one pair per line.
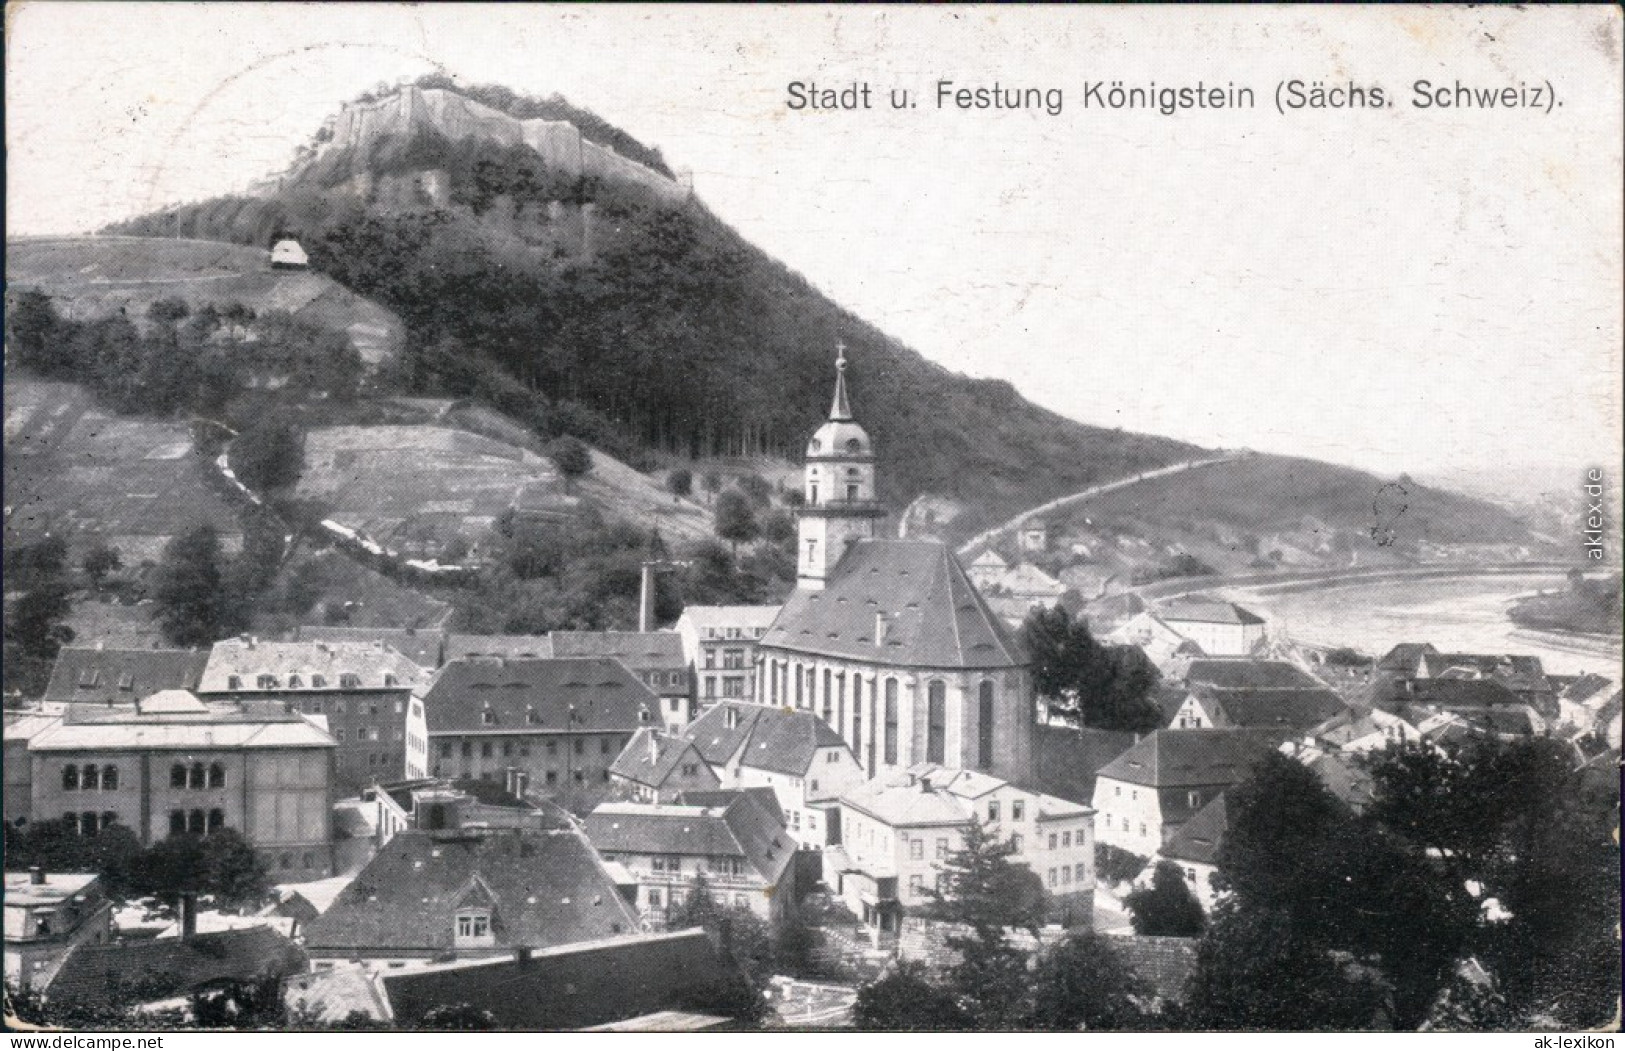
181,359
221,865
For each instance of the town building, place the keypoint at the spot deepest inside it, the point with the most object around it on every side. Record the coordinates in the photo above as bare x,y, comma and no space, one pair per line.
20,728
96,675
362,690
425,647
888,641
655,766
796,754
897,830
560,722
719,644
48,915
161,971
1171,652
288,254
1222,629
737,842
1581,699
1364,730
655,657
468,894
1033,536
1146,794
986,569
173,764
1296,709
1194,848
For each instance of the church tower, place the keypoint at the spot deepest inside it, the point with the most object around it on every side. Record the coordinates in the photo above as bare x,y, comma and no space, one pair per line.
841,506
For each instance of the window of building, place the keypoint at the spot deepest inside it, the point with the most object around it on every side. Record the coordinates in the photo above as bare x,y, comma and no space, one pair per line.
265,682
1053,838
1018,808
474,927
485,749
916,885
109,778
89,677
318,682
390,679
1066,839
993,810
195,822
217,776
1194,799
552,777
295,682
109,819
507,748
916,849
691,769
733,686
552,747
936,721
1142,828
349,680
488,717
177,822
234,682
1066,875
580,746
1052,878
339,736
984,726
581,777
177,776
197,776
889,745
655,898
1015,844
1080,872
942,848
603,746
217,820
70,778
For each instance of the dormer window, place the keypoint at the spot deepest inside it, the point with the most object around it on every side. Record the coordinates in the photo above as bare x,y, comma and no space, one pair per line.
474,928
234,682
488,717
126,681
643,715
389,679
295,682
318,682
266,682
89,677
349,681
531,718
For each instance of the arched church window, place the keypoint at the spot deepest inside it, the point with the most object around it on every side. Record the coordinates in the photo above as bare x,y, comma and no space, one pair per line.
890,743
853,445
936,721
984,726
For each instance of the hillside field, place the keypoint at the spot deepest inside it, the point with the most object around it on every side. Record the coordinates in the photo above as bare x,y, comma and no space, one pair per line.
92,276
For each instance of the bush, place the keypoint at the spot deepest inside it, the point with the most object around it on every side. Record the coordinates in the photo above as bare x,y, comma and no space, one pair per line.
571,456
680,481
1116,865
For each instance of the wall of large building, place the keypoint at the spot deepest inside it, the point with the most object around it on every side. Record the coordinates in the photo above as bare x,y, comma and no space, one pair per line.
864,725
551,760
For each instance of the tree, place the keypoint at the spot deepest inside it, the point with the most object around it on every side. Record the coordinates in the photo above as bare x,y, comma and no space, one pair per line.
571,456
168,311
36,621
101,560
680,481
269,456
1167,907
34,329
979,888
713,485
738,934
758,490
56,845
457,1018
222,864
1110,686
191,608
1082,983
735,521
905,1000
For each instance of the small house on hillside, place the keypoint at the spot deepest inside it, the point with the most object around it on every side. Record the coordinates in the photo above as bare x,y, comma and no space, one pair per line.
288,254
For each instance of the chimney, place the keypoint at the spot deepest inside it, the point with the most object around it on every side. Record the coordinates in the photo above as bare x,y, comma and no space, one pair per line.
36,875
646,598
187,907
654,748
521,953
882,629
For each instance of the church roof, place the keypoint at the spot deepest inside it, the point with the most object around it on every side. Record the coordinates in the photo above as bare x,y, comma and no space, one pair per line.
934,616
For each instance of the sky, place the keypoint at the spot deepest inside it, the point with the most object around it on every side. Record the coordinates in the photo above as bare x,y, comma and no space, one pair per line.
1393,288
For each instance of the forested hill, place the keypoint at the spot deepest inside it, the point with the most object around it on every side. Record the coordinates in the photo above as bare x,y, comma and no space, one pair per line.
582,302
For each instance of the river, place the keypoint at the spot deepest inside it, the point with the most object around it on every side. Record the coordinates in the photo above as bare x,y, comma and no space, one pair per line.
1456,614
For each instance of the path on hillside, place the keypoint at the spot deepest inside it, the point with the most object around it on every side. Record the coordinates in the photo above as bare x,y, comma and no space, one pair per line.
987,537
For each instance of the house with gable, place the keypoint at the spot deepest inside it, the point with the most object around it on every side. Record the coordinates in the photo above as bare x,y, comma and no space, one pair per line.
1146,794
469,894
735,840
1194,848
1222,629
796,754
1245,692
719,643
655,766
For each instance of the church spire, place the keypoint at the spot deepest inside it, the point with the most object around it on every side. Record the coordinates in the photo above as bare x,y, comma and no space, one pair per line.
840,408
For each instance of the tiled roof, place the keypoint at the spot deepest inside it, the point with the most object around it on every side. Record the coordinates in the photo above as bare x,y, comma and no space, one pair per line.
724,797
783,740
424,647
459,646
57,888
928,794
1474,693
193,727
84,675
1198,839
1405,656
579,694
1113,611
1066,760
1345,780
935,618
248,659
745,828
639,650
730,616
1249,673
1204,610
1192,758
1508,666
566,987
162,968
1585,686
1293,709
651,756
544,888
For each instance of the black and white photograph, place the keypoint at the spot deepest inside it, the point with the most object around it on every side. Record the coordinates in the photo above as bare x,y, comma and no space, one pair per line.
540,518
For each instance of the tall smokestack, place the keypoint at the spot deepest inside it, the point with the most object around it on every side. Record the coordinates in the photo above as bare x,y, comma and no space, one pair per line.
646,598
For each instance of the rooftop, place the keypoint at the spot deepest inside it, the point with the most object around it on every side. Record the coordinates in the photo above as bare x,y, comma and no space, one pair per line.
1205,610
1192,758
58,887
424,647
542,888
86,675
1235,673
1295,709
1198,839
312,665
175,719
730,616
638,650
934,616
160,968
931,795
783,740
651,756
744,828
558,695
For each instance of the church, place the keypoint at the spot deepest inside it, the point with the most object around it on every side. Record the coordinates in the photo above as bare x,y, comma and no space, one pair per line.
888,641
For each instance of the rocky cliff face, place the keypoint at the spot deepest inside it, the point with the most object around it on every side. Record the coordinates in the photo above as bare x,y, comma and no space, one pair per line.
558,143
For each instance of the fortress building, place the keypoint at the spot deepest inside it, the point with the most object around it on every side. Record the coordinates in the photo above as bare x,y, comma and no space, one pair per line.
887,640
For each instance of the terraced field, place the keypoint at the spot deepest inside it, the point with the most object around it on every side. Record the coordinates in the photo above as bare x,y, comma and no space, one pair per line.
74,470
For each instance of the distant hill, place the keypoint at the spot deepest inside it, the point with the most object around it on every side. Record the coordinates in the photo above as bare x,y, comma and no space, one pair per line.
90,276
